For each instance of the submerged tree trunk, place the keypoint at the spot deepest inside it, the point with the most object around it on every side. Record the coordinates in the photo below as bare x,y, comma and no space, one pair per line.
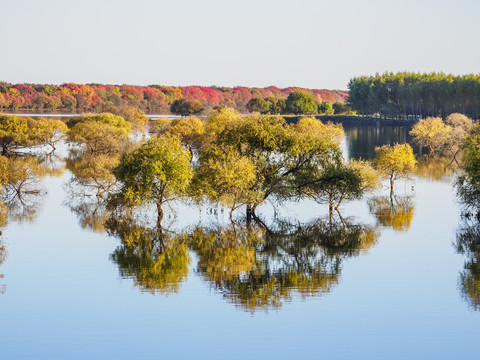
159,214
391,188
249,213
330,211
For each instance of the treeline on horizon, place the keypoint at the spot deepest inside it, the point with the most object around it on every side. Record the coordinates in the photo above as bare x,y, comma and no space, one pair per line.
150,99
405,95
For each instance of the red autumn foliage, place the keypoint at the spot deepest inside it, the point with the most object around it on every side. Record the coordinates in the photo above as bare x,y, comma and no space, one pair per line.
151,99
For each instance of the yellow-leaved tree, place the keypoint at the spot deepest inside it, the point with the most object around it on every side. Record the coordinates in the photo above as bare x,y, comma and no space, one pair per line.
394,162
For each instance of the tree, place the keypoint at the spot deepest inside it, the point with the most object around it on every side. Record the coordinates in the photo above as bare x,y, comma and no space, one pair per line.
13,132
325,108
48,131
461,127
189,130
276,105
102,133
300,102
276,149
20,176
132,114
341,108
432,133
468,184
337,181
186,107
218,120
258,104
395,162
94,173
226,176
406,94
158,171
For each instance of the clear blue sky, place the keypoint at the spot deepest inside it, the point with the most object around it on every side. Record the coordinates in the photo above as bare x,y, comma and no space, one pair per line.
309,43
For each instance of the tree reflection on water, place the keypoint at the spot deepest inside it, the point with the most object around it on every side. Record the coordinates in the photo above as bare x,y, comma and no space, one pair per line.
253,266
3,256
468,243
262,268
395,212
155,259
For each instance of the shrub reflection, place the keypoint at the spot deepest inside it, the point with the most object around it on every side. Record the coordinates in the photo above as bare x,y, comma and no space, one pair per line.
468,243
155,259
395,212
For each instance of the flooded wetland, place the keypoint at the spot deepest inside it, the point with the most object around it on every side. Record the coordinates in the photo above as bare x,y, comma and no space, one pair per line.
385,278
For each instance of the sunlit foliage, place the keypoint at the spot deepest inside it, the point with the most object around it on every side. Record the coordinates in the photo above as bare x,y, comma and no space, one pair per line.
226,176
13,132
101,133
432,133
462,127
189,130
394,162
47,131
156,172
267,151
468,185
21,176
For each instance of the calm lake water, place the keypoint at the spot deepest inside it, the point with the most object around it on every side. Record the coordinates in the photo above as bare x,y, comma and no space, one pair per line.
397,285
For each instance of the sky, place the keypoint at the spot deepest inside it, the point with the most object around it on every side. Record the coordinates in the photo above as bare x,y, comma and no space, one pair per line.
305,43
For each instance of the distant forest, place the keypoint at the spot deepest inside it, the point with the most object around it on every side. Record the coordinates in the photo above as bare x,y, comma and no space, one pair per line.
406,95
150,99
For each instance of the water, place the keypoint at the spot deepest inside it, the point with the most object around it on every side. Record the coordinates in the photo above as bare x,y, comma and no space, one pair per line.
395,291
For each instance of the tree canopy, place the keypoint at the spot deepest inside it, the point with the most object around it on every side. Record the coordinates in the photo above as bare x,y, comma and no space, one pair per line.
186,107
158,171
394,162
301,102
101,133
413,94
13,132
